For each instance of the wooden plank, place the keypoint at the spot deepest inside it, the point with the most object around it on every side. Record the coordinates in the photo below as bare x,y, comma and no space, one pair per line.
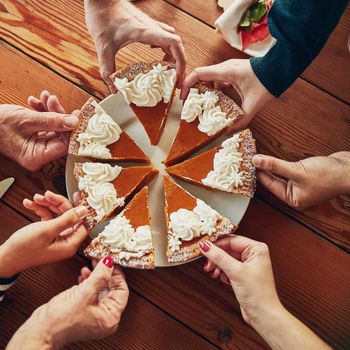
315,289
330,70
143,325
52,177
301,134
211,312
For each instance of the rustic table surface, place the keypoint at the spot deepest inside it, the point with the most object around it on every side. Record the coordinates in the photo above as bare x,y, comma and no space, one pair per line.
45,45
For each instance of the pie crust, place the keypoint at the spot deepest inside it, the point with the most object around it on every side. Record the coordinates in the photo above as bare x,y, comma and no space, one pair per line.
189,138
176,198
125,149
197,168
152,118
128,183
137,212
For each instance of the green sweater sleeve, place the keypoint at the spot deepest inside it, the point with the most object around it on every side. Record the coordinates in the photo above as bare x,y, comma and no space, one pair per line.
301,28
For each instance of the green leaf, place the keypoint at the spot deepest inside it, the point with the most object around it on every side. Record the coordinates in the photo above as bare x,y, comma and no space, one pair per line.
245,20
257,11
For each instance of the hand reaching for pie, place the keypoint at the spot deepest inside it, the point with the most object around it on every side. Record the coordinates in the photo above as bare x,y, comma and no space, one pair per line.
239,74
34,138
246,266
90,310
307,182
44,242
115,24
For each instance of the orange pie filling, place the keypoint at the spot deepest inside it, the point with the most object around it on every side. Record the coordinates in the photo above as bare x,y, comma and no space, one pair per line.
108,187
189,219
129,235
149,90
204,117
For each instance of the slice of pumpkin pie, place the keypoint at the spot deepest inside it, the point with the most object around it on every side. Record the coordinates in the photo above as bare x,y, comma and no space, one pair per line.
98,136
227,167
190,221
206,114
127,238
105,189
149,89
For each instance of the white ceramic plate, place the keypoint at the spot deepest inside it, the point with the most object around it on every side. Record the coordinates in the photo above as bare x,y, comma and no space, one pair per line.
226,204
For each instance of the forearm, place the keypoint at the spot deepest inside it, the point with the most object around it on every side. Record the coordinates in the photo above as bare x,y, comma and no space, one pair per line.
30,338
282,331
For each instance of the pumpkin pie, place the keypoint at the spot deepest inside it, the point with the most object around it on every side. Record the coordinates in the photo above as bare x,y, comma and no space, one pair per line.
105,189
190,221
98,136
127,238
206,114
149,89
227,167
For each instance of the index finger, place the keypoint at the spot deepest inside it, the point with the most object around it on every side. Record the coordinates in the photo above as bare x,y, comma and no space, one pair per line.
210,73
178,52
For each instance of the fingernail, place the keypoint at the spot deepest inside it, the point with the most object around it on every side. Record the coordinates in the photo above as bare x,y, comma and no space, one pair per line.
205,246
205,266
108,261
81,211
257,159
70,122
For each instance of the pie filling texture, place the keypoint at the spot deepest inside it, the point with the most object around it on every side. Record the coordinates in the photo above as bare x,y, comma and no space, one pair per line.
206,114
149,89
105,188
127,237
98,136
227,167
190,220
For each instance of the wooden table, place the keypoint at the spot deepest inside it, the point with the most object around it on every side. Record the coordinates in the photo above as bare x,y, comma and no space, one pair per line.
45,45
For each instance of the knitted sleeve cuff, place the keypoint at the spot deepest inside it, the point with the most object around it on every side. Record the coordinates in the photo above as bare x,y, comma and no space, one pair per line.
5,284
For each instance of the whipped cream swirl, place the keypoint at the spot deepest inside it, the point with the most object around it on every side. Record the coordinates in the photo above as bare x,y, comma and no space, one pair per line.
226,174
122,238
211,118
185,225
96,182
148,89
100,132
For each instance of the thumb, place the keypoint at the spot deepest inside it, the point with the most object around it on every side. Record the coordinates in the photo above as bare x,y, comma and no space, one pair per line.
216,72
276,166
66,220
106,61
49,121
220,258
99,278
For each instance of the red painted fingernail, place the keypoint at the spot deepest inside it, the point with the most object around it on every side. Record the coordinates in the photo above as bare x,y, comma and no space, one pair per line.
108,261
205,246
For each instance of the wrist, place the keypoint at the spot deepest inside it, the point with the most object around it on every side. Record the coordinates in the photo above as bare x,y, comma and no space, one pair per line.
267,317
344,174
7,267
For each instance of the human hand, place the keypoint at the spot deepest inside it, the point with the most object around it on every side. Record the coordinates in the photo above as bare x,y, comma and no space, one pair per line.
245,265
43,242
90,310
307,182
34,138
239,74
115,24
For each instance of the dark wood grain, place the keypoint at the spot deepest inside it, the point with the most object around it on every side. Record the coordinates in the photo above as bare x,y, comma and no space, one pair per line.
330,70
317,290
143,326
292,127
